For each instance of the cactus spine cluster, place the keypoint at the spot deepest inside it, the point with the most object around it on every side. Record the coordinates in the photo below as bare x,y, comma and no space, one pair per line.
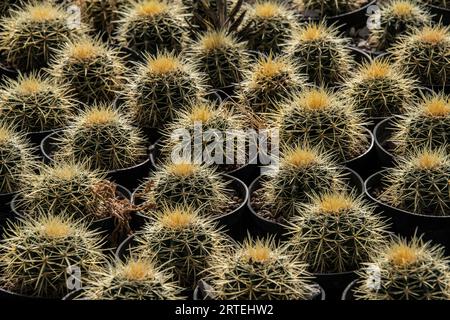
37,255
179,237
424,53
30,36
336,232
411,270
16,158
321,53
35,103
319,117
152,26
426,124
268,82
380,89
162,85
259,270
92,71
420,183
104,137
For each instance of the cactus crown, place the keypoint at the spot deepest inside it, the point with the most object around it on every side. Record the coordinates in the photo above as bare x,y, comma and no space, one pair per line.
151,8
437,106
163,64
433,35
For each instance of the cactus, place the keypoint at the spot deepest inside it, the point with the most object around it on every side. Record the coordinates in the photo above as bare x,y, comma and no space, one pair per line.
92,71
302,171
396,18
104,137
425,124
152,26
39,254
439,3
259,270
187,183
179,237
424,54
16,158
161,86
320,117
321,53
221,57
270,81
135,279
35,103
411,270
30,36
268,26
380,89
322,8
6,6
420,183
336,232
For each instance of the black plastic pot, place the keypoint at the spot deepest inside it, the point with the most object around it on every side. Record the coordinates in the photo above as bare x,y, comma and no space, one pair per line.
356,18
348,292
200,292
5,210
439,88
261,226
334,283
407,224
360,56
366,163
8,295
440,14
382,132
74,295
128,177
7,73
233,222
227,92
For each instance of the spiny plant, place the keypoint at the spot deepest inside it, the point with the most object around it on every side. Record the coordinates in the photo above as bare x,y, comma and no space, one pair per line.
152,26
317,116
162,85
324,8
424,53
259,270
179,237
420,183
35,103
16,158
39,254
221,57
187,183
427,123
302,171
267,26
396,18
138,278
92,71
104,137
380,89
31,35
336,232
6,6
439,3
407,270
270,80
321,53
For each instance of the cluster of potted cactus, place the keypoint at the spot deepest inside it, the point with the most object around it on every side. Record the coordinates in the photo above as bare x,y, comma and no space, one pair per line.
100,201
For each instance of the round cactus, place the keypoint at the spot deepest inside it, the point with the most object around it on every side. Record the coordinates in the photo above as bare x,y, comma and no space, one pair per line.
424,54
267,26
152,26
396,18
135,279
420,183
104,137
16,158
321,53
302,171
162,85
380,89
259,270
179,237
221,57
316,116
336,232
270,81
92,71
40,255
427,123
404,270
35,103
31,35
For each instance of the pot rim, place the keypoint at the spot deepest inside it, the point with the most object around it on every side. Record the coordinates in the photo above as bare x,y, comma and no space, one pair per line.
376,132
347,289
